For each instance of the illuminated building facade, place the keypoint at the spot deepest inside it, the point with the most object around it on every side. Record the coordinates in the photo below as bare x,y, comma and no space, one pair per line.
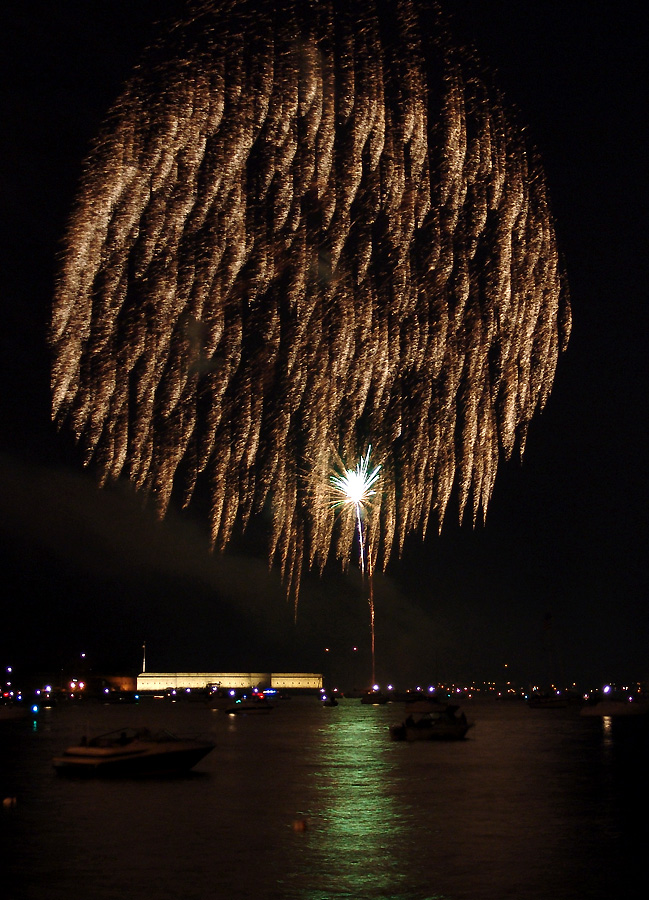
161,681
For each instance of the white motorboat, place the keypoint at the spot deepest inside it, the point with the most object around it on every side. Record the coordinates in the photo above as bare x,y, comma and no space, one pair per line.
132,752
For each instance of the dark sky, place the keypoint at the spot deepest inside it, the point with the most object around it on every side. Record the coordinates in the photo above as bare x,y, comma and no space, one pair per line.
91,571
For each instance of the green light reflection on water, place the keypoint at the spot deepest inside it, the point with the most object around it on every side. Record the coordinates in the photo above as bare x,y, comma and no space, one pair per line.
359,836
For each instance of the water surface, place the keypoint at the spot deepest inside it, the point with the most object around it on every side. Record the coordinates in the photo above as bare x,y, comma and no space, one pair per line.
534,805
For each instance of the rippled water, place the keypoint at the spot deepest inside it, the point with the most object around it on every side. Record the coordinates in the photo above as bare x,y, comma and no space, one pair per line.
534,805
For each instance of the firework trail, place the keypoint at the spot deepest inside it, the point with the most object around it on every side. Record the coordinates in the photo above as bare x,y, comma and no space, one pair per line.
307,226
353,489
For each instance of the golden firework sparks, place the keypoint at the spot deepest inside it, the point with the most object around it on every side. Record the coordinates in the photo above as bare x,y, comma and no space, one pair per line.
301,226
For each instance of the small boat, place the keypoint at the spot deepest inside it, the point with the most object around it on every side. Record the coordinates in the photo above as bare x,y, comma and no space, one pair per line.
547,700
132,752
220,698
374,698
328,700
447,725
120,697
257,703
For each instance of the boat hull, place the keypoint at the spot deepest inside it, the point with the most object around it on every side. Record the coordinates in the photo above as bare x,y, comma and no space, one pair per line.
442,732
132,758
547,703
374,698
436,726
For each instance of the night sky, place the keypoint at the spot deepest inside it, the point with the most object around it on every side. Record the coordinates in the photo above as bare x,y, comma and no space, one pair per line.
553,586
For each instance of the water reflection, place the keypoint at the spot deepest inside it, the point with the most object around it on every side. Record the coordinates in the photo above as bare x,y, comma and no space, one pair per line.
607,732
356,811
358,829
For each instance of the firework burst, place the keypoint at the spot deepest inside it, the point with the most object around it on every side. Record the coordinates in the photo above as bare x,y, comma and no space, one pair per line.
305,223
354,488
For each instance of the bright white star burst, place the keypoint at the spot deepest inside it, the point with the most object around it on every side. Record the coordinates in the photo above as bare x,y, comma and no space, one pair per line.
355,486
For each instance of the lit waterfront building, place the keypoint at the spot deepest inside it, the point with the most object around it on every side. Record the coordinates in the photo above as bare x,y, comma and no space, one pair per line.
161,681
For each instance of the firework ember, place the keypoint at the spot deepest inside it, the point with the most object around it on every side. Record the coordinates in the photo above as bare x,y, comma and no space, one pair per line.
305,226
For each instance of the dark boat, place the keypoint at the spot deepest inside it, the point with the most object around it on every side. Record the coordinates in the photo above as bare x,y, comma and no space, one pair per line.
257,703
120,697
328,700
446,725
374,698
220,698
547,700
132,752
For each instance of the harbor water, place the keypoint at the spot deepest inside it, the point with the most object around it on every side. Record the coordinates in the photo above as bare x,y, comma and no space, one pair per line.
309,802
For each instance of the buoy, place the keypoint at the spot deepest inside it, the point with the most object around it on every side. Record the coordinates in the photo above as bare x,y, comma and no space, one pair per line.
299,825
